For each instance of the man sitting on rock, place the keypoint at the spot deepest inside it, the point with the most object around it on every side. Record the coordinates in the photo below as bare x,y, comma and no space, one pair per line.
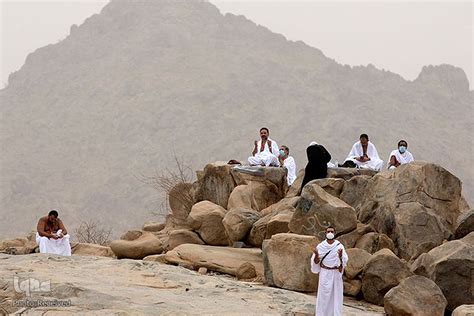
364,155
289,163
329,260
52,236
265,151
400,156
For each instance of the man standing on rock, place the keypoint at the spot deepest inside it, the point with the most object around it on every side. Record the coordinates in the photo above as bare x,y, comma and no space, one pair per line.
265,151
52,236
329,260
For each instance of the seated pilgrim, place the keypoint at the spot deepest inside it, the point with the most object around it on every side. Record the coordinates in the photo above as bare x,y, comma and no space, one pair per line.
289,163
400,156
364,155
265,151
52,236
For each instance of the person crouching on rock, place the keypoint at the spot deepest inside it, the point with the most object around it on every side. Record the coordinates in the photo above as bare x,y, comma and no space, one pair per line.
52,236
329,260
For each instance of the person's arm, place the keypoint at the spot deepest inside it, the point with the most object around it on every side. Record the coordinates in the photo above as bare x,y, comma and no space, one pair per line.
269,142
316,256
41,231
61,226
254,152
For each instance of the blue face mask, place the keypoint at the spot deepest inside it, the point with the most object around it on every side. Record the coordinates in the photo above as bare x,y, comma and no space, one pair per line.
282,153
402,149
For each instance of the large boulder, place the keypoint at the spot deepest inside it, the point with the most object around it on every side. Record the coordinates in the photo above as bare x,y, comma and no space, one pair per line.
238,223
270,176
373,242
450,266
154,226
279,224
348,173
206,219
353,191
86,249
287,262
352,287
349,240
183,236
215,183
269,225
415,204
332,186
383,271
358,258
464,224
317,209
181,199
136,245
220,259
415,295
18,246
285,204
255,196
464,310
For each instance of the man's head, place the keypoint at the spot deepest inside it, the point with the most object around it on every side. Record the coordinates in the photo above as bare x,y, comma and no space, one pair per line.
284,151
364,139
53,216
402,146
330,232
264,132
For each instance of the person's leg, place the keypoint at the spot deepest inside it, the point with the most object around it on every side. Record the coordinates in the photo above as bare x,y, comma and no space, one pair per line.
254,161
42,243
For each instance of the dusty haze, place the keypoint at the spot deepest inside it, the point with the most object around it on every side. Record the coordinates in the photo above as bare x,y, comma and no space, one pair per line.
85,116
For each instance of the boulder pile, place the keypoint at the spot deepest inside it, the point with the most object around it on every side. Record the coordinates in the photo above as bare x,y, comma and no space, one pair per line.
408,232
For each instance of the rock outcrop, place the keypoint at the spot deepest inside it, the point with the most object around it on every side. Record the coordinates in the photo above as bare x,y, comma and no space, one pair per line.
415,204
86,249
287,262
206,219
136,245
220,259
464,224
415,295
450,266
238,222
317,209
183,236
382,272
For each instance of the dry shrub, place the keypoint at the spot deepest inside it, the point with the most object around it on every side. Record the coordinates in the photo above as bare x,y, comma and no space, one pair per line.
92,232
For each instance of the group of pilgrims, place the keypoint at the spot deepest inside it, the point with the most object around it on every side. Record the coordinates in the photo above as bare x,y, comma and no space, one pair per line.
329,257
363,155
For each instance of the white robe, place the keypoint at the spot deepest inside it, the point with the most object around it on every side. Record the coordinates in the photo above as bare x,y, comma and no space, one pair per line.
290,164
404,158
375,163
58,246
266,157
330,287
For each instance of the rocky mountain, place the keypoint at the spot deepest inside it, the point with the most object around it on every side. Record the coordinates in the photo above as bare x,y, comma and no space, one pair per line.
143,81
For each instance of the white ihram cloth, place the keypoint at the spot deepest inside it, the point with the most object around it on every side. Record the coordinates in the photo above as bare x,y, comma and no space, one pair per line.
330,288
58,246
375,163
266,157
290,164
404,158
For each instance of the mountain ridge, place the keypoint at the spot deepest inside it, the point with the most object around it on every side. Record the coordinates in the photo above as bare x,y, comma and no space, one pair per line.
135,83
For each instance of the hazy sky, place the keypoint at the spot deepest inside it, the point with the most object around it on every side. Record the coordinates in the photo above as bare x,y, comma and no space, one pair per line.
400,36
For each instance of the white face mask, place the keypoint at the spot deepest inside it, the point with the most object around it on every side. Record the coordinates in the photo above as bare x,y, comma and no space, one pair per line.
330,235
